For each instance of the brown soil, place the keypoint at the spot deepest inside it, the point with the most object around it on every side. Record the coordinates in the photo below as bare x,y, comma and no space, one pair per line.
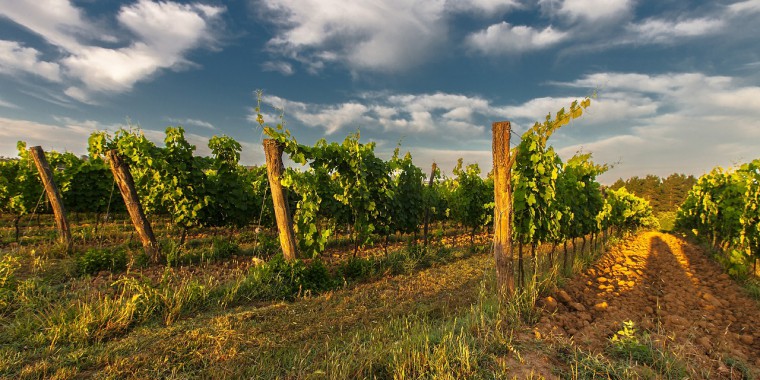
672,291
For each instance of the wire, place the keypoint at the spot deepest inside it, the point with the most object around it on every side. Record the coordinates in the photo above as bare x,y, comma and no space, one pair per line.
29,223
261,216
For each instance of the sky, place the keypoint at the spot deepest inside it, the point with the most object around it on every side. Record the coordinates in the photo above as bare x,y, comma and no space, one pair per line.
677,82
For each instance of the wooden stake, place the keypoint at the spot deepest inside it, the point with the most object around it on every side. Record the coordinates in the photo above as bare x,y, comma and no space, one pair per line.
46,175
273,153
427,207
502,237
126,185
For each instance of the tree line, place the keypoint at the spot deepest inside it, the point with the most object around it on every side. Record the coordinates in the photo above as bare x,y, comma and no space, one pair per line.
665,194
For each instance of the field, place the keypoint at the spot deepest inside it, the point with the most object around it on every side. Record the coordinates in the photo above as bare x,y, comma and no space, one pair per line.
354,266
652,306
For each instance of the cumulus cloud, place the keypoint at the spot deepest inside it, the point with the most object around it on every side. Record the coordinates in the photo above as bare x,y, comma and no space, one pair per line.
590,11
745,7
57,21
666,31
689,121
193,122
157,47
504,38
91,67
15,58
487,7
364,35
281,67
454,114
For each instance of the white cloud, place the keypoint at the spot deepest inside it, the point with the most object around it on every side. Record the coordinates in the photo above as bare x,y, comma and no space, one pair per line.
57,21
158,47
590,11
364,35
51,137
745,7
5,104
71,135
454,115
161,35
666,31
657,123
482,6
504,38
193,122
15,58
281,67
335,118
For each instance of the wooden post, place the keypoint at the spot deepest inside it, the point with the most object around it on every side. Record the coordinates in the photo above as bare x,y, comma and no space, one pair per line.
273,154
126,185
427,207
46,175
502,236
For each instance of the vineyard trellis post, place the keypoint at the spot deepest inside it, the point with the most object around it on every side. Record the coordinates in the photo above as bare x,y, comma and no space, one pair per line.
427,207
59,212
273,153
502,236
126,184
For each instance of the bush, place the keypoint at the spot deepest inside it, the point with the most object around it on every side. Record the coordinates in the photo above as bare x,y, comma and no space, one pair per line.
95,260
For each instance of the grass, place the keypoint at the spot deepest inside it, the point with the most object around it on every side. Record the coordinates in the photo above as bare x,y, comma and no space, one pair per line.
55,307
211,313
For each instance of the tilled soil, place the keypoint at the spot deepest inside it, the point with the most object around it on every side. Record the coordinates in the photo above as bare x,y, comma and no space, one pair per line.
672,291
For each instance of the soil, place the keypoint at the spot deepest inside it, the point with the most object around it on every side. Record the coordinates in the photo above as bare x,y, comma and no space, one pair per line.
672,291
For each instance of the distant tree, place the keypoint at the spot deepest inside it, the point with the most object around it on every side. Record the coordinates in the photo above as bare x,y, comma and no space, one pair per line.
664,194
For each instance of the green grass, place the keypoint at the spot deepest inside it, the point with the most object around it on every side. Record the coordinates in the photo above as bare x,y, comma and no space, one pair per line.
209,313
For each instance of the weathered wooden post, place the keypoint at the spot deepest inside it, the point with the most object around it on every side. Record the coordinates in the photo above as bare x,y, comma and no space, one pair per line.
59,212
273,154
427,207
126,185
502,228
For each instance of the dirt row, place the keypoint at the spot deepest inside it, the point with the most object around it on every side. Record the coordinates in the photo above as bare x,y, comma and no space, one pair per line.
671,290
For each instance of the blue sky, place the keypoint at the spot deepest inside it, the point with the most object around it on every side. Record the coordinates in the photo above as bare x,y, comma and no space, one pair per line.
678,81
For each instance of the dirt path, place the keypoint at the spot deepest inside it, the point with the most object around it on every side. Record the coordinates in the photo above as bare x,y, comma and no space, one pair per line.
667,287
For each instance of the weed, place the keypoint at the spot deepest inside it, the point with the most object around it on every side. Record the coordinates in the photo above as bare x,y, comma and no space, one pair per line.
356,268
9,264
628,346
223,249
752,285
95,260
736,364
